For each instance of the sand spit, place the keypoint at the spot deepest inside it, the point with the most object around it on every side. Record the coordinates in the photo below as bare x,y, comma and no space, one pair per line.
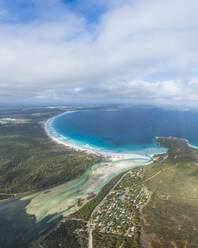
63,199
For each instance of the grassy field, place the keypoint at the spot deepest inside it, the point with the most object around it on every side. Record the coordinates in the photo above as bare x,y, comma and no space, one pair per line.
170,218
29,160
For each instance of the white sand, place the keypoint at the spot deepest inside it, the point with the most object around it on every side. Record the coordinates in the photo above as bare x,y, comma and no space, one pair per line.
89,150
63,199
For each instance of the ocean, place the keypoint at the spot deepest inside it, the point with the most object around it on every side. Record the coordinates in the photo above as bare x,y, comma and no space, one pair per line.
126,130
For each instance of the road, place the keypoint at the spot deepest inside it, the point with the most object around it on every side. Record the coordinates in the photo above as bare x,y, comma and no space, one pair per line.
89,224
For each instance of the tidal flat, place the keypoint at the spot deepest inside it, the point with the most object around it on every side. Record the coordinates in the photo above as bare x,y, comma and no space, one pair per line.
63,200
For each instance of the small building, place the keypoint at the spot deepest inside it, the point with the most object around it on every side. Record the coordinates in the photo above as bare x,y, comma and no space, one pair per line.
121,198
132,229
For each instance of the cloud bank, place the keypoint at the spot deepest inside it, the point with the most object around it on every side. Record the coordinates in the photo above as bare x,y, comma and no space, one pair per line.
144,51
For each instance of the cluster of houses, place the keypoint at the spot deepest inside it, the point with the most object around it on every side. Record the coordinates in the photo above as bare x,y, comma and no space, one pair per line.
119,212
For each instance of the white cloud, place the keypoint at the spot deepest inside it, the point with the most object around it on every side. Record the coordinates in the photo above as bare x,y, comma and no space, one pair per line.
60,54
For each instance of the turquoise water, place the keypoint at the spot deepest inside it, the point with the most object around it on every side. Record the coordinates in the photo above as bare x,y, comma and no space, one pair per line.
63,199
23,220
130,130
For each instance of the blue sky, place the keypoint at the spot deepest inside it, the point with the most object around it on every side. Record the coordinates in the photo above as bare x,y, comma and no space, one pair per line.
140,51
30,10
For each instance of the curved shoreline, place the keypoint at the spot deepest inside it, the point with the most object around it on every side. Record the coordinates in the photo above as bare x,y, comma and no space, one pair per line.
108,155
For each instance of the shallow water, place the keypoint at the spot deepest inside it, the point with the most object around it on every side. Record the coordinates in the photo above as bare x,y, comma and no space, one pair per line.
124,131
62,200
129,130
23,220
17,228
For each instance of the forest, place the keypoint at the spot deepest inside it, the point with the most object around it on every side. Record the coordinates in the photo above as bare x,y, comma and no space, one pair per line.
30,160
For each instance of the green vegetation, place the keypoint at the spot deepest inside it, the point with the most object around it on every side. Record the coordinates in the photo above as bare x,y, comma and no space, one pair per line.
6,196
118,215
107,240
125,236
29,160
86,211
67,234
170,217
60,236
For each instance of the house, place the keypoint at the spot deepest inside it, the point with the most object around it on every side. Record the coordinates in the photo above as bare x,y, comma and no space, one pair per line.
132,229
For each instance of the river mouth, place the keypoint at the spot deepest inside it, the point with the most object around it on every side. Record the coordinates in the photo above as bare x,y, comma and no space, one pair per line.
23,220
63,199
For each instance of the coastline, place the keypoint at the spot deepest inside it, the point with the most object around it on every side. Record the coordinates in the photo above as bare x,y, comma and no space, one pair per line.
110,156
190,145
186,140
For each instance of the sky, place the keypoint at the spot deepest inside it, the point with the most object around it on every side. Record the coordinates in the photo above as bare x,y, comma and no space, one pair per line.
119,51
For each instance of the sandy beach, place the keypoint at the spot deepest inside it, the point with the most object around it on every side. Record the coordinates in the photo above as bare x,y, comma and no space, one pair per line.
88,149
63,199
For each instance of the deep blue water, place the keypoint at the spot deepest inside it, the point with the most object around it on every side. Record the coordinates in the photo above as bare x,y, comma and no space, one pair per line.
129,130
